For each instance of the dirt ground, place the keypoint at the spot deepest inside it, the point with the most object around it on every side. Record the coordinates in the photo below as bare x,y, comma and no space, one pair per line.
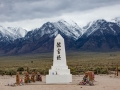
102,82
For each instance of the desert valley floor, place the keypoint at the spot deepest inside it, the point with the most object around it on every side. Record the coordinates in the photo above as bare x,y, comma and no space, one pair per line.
102,82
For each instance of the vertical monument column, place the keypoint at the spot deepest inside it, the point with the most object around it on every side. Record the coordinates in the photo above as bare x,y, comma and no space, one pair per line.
59,72
59,52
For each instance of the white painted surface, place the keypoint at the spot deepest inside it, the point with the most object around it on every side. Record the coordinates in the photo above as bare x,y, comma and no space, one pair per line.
62,62
60,79
59,72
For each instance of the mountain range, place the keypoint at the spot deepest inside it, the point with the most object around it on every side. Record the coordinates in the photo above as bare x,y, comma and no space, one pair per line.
98,35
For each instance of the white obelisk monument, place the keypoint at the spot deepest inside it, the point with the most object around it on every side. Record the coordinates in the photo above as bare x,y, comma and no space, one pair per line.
59,72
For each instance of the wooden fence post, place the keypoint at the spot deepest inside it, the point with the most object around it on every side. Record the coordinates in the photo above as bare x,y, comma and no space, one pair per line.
117,70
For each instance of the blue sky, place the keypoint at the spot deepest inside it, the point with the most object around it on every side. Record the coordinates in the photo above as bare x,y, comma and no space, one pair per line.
30,14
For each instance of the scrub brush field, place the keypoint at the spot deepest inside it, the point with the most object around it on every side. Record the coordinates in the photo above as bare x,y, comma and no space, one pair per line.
78,62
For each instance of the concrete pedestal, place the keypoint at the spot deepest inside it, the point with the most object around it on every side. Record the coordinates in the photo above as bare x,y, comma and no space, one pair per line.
59,79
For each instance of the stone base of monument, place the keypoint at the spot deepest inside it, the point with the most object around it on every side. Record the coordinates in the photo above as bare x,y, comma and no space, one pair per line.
58,79
59,74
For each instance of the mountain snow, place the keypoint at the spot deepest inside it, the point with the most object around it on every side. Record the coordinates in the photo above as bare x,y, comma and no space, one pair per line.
101,26
71,30
92,27
85,28
12,33
116,20
19,32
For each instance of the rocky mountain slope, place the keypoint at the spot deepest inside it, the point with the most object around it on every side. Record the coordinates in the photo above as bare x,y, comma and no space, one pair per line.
98,35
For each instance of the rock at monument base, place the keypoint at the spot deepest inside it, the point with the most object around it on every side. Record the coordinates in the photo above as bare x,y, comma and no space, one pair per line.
58,79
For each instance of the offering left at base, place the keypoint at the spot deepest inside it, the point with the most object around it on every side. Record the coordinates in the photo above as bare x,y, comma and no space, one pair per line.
27,78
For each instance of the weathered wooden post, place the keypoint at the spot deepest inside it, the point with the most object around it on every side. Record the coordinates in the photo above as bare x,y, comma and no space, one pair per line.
117,70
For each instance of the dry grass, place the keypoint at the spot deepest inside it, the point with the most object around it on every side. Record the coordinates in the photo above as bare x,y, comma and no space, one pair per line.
77,61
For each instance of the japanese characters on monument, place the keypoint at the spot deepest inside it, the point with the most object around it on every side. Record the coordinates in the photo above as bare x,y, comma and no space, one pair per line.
58,50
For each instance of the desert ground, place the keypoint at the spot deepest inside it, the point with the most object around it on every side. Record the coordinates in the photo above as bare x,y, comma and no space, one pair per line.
102,82
102,63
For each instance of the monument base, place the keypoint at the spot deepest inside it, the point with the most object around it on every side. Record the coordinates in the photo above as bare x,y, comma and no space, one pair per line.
59,79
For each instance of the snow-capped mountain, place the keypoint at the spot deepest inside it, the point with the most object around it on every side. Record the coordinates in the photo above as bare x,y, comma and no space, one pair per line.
116,20
19,32
11,33
93,26
53,28
46,29
71,30
85,28
101,27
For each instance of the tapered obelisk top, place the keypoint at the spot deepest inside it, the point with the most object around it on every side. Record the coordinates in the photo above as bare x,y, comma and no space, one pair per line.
59,37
